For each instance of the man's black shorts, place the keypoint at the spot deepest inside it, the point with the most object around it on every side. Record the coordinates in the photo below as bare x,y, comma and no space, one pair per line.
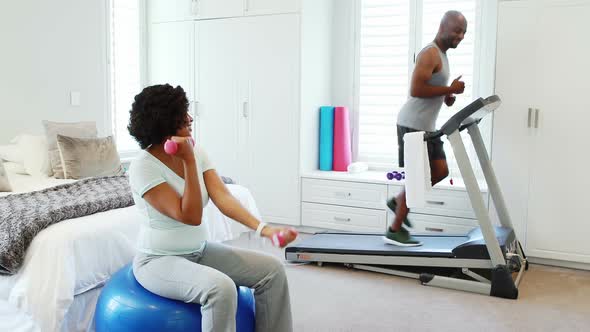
435,146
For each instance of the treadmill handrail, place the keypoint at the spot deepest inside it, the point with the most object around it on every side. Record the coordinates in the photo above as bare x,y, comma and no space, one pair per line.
456,122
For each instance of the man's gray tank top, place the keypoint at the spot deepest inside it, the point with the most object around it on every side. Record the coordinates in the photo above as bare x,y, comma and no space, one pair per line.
421,113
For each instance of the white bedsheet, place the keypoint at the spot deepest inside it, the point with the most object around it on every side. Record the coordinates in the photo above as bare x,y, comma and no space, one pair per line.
21,183
77,255
13,320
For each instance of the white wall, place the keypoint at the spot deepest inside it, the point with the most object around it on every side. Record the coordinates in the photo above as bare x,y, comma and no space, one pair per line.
48,49
343,53
327,67
316,74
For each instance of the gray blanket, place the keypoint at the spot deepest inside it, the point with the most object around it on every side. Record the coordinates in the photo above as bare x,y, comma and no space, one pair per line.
22,216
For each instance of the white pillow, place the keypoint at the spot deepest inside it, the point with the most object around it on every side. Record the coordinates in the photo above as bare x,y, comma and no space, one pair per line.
4,184
11,152
35,156
17,168
15,139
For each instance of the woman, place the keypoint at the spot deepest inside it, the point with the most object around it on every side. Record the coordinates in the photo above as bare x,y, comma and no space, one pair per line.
175,258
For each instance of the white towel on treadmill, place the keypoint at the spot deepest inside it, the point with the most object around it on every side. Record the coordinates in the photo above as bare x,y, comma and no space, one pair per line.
417,168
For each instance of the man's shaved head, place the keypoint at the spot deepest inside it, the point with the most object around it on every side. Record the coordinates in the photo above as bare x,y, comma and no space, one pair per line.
451,31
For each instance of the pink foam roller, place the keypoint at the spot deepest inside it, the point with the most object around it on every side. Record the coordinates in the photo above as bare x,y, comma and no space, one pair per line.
342,143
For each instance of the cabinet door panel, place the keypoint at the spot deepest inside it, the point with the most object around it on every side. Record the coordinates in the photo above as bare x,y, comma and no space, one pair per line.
557,223
218,56
218,8
272,157
515,85
168,11
261,7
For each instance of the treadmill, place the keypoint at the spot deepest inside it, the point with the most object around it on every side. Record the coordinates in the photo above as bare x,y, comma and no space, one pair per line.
487,260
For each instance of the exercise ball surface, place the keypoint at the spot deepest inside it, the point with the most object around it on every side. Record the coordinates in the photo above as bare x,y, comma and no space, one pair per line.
124,305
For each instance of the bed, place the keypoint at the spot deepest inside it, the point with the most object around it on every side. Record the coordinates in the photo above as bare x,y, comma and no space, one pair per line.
67,263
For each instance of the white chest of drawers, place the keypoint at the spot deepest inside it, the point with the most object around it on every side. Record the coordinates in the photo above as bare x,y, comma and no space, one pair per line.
347,202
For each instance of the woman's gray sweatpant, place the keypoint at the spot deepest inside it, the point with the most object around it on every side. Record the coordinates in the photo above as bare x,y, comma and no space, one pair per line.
209,277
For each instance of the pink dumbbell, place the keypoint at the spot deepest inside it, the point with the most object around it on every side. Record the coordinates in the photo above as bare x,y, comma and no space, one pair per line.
171,147
278,239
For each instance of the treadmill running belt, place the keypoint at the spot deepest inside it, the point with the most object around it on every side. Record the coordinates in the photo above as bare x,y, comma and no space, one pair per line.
372,244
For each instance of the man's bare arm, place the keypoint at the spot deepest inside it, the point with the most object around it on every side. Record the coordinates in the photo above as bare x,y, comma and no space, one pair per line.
426,63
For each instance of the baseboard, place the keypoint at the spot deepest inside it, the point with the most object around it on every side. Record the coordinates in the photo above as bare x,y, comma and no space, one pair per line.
559,263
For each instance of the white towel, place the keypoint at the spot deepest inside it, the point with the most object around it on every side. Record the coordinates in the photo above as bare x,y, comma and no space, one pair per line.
417,168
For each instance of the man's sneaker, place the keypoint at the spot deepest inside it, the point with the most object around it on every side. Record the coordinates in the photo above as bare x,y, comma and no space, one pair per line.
392,205
400,238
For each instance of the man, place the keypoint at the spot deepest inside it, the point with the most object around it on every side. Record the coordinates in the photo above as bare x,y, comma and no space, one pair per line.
428,90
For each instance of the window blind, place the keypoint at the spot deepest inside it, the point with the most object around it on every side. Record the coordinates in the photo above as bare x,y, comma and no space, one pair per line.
391,33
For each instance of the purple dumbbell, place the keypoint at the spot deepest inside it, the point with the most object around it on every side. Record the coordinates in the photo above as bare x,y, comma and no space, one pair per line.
396,175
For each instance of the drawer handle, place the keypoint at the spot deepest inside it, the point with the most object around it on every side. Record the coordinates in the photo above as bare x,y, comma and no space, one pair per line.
436,202
342,219
343,194
432,229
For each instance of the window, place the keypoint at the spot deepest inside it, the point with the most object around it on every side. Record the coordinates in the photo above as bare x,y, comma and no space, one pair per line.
391,33
124,68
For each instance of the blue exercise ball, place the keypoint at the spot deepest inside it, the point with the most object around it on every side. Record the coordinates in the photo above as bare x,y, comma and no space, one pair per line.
124,306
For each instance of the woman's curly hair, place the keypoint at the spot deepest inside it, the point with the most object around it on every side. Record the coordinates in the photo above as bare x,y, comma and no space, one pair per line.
157,112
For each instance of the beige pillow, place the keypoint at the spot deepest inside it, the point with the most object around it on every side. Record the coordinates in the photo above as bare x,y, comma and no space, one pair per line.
73,129
4,184
87,157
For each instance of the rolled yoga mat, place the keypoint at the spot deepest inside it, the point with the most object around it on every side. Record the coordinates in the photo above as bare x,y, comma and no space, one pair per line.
326,137
342,149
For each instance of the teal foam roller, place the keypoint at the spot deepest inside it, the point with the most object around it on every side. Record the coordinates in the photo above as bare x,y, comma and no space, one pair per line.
326,137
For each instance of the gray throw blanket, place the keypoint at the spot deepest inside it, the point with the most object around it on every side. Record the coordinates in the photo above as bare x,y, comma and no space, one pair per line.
22,216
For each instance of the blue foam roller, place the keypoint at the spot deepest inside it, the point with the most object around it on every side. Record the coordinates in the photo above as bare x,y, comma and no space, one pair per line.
326,137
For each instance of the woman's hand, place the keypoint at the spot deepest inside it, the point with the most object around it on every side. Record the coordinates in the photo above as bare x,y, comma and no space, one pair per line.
280,236
185,147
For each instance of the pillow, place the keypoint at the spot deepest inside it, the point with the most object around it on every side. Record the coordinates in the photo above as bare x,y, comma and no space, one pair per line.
35,158
73,129
12,167
4,184
11,153
86,157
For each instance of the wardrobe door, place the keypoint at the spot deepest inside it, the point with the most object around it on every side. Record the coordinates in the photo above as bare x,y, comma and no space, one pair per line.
206,9
516,79
169,11
558,217
265,7
219,68
272,114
